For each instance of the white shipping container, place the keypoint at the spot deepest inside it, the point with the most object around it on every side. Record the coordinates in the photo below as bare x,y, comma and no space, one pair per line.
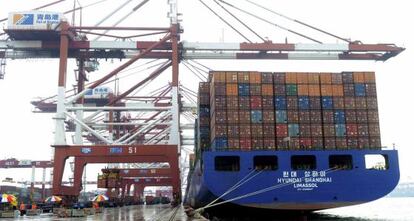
38,20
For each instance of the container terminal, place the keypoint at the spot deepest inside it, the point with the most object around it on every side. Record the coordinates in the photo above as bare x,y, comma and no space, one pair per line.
275,141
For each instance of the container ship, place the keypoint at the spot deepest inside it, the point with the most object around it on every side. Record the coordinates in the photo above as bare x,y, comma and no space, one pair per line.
289,142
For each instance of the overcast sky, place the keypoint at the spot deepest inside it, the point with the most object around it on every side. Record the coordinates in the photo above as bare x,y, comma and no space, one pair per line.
26,135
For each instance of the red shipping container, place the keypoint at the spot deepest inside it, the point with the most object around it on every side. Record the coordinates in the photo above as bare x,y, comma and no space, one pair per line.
360,103
281,130
244,117
304,117
293,116
232,102
303,90
268,130
218,130
292,102
257,143
328,117
315,117
279,89
351,130
350,116
268,116
325,78
233,131
374,129
233,117
373,116
218,89
363,142
243,77
315,103
304,130
370,90
281,144
352,143
204,99
372,103
349,103
232,89
234,144
336,78
291,78
375,142
267,102
337,90
267,78
330,143
359,77
326,90
349,90
231,77
244,103
269,144
279,78
218,103
257,130
363,130
314,90
305,143
245,130
316,130
219,117
267,89
255,89
256,102
361,116
245,144
341,143
328,130
204,88
338,103
317,143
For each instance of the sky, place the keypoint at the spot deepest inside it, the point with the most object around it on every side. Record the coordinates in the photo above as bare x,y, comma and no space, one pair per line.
27,135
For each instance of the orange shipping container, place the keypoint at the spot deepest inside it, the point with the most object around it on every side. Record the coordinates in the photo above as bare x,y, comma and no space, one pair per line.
314,90
232,89
291,78
255,78
303,89
267,89
359,77
369,77
338,90
243,77
325,78
219,76
302,78
313,78
231,77
326,90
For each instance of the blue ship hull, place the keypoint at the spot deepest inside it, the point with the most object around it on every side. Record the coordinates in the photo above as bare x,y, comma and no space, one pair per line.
306,189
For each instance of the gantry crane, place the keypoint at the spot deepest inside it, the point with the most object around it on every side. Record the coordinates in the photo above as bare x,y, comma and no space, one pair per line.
154,135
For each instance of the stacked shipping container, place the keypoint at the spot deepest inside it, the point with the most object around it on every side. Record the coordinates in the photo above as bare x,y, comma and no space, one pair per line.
288,111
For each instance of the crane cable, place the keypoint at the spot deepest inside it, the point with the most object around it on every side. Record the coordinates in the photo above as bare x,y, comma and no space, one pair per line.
269,22
226,22
297,21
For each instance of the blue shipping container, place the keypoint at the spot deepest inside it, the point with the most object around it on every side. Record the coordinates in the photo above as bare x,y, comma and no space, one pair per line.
281,116
204,112
327,102
340,130
256,116
280,102
220,143
339,117
293,130
303,102
359,90
244,89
